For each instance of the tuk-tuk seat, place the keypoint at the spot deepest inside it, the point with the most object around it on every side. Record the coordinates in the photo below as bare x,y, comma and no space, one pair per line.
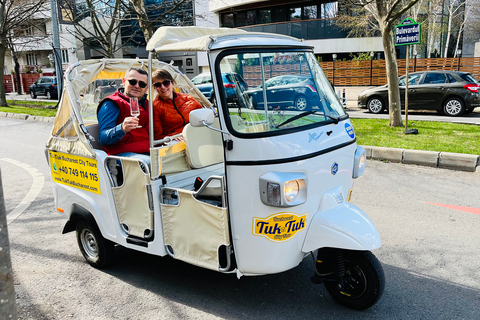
93,131
203,146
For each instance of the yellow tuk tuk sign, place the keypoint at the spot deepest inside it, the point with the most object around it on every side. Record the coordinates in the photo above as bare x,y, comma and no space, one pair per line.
74,171
279,227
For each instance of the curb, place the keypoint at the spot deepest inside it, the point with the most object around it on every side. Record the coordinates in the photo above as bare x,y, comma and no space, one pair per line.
435,159
23,116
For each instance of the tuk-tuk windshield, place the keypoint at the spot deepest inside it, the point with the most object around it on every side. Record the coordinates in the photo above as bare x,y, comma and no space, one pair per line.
272,91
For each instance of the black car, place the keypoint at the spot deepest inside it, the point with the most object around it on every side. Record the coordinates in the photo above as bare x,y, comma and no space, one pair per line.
295,91
451,92
44,86
231,81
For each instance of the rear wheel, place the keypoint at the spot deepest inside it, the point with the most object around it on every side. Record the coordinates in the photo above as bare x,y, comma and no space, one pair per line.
363,282
301,103
453,107
375,105
32,94
98,251
49,95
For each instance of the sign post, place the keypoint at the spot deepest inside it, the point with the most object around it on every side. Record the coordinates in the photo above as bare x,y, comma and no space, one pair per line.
406,33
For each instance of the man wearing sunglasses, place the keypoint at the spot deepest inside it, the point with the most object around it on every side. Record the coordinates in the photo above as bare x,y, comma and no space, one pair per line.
119,132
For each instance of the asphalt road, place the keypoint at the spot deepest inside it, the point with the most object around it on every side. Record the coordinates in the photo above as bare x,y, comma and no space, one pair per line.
428,219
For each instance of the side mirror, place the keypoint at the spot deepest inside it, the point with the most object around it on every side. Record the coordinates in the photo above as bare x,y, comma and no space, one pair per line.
198,116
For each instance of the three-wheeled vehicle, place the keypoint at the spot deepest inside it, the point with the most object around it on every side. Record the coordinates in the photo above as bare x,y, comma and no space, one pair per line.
255,186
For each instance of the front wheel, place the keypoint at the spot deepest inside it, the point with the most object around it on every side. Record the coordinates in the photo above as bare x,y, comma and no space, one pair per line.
363,282
453,107
32,94
376,105
98,251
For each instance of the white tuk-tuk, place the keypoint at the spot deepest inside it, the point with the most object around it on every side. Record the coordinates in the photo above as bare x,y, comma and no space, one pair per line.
261,180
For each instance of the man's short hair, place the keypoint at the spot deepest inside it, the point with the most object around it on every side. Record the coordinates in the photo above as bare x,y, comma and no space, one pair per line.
139,70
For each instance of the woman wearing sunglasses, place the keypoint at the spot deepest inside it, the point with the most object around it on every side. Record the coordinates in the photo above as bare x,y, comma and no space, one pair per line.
170,109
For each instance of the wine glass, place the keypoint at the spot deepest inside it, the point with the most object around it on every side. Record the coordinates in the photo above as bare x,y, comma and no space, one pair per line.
134,108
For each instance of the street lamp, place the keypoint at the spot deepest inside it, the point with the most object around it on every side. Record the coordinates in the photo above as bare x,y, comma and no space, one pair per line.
334,56
371,66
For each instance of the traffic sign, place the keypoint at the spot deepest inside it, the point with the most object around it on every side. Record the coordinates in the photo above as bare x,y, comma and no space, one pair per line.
408,32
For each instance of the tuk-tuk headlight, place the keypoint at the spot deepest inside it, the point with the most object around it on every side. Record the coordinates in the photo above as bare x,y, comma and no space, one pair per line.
283,189
360,162
291,190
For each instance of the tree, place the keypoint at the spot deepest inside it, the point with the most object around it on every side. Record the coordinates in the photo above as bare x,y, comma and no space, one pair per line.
8,307
108,26
381,15
96,24
454,10
13,14
154,14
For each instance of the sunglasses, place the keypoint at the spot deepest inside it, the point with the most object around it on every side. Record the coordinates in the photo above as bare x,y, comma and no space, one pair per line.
165,83
133,82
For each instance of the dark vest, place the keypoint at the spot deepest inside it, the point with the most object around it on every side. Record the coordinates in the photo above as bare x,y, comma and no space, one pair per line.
136,140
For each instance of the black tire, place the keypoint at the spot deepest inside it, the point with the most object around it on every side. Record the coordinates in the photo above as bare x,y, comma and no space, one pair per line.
363,283
454,107
98,251
213,100
32,94
375,105
301,103
49,95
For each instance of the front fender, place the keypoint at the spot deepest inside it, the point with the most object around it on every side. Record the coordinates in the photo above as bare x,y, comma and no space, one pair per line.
344,226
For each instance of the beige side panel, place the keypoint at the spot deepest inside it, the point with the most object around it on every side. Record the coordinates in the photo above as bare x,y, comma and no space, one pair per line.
195,230
131,199
168,159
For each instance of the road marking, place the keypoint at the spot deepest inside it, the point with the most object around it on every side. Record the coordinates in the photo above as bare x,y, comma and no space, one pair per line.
37,185
459,208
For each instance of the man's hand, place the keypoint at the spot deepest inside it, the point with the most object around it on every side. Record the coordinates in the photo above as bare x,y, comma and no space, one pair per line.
130,123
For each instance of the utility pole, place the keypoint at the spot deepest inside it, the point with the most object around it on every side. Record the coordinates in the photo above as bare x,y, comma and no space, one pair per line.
57,54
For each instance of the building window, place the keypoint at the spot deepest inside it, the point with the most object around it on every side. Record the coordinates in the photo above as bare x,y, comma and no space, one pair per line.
329,10
65,56
227,20
29,31
295,14
278,15
251,17
264,16
31,59
240,19
310,12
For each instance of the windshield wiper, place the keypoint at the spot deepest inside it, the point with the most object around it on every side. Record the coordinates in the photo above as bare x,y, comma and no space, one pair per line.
304,114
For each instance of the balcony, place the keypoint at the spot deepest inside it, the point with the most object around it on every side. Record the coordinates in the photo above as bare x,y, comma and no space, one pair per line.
307,29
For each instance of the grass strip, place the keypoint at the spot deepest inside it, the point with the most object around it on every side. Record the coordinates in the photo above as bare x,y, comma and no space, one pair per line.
432,136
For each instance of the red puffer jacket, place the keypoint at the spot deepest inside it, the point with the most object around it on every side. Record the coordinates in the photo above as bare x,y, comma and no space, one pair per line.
170,116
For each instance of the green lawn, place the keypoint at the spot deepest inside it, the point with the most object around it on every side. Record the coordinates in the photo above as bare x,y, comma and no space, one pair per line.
37,108
432,136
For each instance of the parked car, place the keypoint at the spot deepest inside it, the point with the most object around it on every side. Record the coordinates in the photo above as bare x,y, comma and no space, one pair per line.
105,87
450,92
230,81
44,86
294,91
